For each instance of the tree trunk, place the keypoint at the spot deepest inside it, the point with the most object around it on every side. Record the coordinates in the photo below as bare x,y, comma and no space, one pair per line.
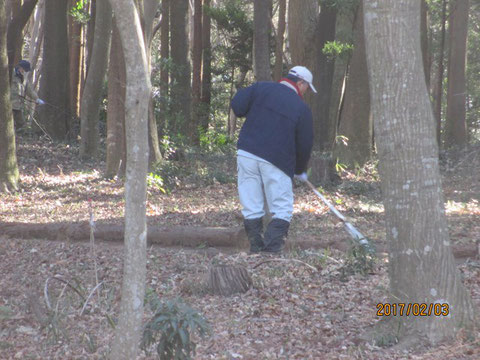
206,70
278,67
148,17
117,78
324,131
164,58
36,40
415,219
261,36
181,91
355,119
302,22
129,328
55,115
92,94
437,98
21,15
76,53
196,71
456,124
9,176
424,25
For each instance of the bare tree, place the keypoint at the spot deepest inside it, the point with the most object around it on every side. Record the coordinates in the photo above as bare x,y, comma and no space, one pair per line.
92,94
422,268
9,176
129,328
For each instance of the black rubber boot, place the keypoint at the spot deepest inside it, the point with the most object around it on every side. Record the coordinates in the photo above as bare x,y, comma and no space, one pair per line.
254,229
275,236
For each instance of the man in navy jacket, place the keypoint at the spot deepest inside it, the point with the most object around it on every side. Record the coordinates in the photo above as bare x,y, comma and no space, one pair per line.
274,146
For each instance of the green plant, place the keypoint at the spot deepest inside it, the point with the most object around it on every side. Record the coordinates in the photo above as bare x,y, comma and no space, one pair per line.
155,181
171,327
79,11
359,260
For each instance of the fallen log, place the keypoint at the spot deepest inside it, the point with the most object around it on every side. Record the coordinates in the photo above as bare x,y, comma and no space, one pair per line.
187,236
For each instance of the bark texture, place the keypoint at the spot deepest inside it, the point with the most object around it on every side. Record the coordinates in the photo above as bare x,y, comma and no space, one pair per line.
21,15
261,36
55,116
117,78
415,218
92,94
9,176
181,90
206,95
278,67
456,124
129,328
75,37
355,119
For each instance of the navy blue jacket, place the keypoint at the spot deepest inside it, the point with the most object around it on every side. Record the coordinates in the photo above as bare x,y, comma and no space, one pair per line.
278,127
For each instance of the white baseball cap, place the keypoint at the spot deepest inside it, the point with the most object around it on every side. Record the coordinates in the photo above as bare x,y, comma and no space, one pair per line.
303,73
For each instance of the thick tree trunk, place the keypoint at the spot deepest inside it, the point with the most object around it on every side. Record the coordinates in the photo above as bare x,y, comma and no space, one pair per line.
117,78
355,119
261,36
92,94
206,69
55,116
278,67
9,176
181,91
456,124
129,328
416,224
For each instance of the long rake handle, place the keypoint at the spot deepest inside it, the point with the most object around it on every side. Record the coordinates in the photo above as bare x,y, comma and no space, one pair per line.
357,235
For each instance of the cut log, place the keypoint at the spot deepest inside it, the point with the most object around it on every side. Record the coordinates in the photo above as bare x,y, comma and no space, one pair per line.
227,280
187,236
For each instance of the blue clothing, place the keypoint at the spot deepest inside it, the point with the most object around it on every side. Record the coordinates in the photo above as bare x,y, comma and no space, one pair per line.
278,127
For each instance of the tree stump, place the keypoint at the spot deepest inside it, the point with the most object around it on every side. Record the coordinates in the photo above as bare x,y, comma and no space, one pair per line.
228,279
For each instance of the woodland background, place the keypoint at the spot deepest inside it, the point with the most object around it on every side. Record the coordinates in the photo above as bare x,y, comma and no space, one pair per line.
66,171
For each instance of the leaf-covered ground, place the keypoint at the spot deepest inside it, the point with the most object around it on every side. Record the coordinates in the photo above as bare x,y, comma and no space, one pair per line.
59,300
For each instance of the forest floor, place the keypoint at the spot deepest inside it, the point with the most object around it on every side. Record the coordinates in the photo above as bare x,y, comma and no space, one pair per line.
59,299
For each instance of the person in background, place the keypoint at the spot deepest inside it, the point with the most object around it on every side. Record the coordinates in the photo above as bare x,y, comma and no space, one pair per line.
274,146
19,90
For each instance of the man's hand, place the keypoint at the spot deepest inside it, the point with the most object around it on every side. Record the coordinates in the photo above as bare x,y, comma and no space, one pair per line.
40,102
303,177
